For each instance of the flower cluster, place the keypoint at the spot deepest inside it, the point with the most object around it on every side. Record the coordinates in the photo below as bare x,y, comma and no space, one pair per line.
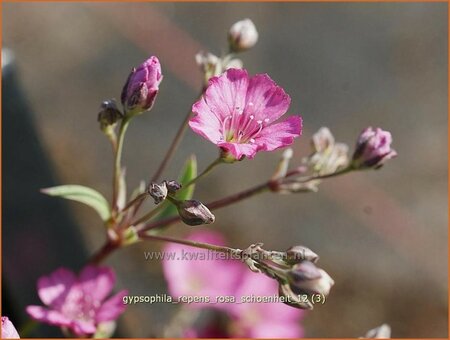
241,114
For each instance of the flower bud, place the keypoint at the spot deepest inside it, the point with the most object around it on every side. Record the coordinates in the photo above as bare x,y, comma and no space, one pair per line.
194,212
381,332
242,35
297,254
109,114
373,149
172,186
158,192
306,278
142,86
292,299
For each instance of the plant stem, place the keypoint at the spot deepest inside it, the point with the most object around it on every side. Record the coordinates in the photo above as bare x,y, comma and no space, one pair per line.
117,161
172,148
103,252
149,215
204,173
213,247
213,205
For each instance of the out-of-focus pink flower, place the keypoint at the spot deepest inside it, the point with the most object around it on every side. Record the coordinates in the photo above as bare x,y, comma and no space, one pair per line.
238,114
221,278
8,329
373,148
254,319
200,272
142,86
78,303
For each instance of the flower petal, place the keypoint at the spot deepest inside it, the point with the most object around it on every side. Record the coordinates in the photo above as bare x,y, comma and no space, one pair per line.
97,281
265,99
51,317
82,327
112,308
226,94
239,150
280,134
205,122
54,288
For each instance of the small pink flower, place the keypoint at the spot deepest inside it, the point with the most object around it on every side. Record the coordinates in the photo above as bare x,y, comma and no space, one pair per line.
78,303
259,319
231,278
142,86
8,329
198,272
237,113
373,148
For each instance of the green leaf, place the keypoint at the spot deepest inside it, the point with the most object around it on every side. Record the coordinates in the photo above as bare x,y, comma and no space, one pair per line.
188,173
84,195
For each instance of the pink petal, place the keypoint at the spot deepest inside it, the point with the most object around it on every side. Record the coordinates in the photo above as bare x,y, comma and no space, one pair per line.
51,317
239,150
54,288
205,122
280,134
269,329
82,328
97,281
189,272
226,93
112,308
8,329
269,101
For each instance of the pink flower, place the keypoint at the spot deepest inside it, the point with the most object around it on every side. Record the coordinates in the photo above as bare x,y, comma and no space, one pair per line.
228,277
255,319
198,272
78,303
142,86
237,113
8,329
373,148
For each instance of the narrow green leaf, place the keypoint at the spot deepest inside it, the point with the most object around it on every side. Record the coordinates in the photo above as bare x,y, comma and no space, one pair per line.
84,195
188,173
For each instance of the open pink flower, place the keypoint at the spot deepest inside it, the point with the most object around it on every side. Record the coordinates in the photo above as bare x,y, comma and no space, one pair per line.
228,278
78,303
198,272
237,113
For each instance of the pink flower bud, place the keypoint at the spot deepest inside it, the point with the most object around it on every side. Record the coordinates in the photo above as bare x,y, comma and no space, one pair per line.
373,149
8,329
242,35
142,86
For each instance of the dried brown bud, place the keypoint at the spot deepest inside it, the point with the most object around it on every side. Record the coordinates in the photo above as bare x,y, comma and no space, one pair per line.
109,114
194,212
293,299
172,186
158,192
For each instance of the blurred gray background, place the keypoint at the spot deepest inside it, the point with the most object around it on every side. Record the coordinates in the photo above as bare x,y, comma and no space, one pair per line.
382,235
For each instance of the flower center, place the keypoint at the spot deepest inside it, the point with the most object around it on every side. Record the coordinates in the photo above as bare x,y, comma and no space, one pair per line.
241,126
80,306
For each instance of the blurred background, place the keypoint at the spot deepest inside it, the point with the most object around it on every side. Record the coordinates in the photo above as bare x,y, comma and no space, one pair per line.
382,235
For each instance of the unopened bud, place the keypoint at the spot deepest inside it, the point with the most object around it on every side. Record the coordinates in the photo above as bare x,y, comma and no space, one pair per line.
306,278
194,212
297,254
109,114
381,332
292,299
172,186
373,149
242,35
142,86
158,192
